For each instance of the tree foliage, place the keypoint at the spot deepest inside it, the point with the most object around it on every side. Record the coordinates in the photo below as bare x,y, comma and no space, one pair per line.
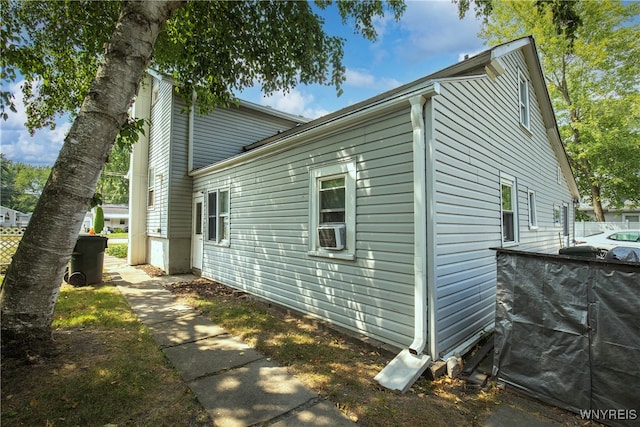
113,186
211,48
88,59
22,184
593,83
566,19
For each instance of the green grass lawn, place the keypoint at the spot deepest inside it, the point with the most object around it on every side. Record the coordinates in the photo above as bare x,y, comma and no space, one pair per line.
106,370
118,235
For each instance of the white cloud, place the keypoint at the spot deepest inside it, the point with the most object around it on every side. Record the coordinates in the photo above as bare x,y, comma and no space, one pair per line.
433,28
367,80
19,146
381,25
294,102
465,55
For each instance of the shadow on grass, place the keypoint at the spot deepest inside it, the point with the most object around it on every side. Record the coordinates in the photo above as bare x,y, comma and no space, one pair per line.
92,306
106,369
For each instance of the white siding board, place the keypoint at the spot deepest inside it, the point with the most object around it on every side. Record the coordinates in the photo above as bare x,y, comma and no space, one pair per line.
478,135
180,184
159,155
222,133
267,255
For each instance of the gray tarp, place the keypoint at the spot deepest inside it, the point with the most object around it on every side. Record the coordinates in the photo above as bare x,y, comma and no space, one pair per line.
568,332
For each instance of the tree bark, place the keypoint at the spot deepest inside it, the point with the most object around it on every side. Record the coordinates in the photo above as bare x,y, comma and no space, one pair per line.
33,280
596,203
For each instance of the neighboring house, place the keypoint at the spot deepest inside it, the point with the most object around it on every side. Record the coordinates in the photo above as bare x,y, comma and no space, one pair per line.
10,218
378,218
115,216
628,214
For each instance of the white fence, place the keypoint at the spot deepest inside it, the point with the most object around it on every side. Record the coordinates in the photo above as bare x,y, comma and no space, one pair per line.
9,240
588,228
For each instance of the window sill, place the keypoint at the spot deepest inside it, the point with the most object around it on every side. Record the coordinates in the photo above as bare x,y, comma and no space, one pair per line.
334,255
533,227
509,244
526,129
223,244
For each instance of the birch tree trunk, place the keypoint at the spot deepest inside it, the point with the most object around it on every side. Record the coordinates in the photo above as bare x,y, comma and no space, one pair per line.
33,280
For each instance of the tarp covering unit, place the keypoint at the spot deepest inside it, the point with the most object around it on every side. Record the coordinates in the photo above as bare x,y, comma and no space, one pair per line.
568,332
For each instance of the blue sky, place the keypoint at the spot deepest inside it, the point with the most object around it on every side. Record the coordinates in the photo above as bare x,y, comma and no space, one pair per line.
429,37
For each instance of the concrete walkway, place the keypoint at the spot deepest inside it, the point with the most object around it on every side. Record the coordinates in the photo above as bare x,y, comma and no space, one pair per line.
235,384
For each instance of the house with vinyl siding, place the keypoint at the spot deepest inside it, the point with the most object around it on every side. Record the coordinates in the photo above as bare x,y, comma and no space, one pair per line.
377,218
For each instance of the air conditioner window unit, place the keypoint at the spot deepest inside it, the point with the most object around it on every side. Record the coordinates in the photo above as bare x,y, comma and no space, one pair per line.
332,237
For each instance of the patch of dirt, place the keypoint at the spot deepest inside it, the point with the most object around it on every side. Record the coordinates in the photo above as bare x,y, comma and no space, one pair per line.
151,270
201,288
449,401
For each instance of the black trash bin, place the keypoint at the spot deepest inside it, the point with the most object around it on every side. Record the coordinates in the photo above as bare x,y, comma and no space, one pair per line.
87,261
580,251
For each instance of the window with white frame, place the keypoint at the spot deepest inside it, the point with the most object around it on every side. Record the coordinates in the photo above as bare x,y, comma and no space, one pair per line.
332,204
565,219
508,204
218,216
523,99
533,212
557,221
151,196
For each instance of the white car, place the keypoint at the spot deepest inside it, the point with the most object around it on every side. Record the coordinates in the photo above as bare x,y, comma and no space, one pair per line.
608,240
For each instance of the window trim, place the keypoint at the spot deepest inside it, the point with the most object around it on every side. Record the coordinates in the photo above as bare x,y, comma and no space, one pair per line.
533,210
218,239
557,215
151,187
564,213
316,176
507,180
524,106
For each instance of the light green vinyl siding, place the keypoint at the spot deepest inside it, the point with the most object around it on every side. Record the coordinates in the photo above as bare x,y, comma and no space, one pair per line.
269,241
478,137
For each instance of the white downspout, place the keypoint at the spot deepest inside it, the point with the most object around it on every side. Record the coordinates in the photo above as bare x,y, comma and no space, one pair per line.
430,220
419,226
410,363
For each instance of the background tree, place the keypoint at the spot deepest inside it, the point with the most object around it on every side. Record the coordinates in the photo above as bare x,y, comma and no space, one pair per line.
113,185
22,184
7,182
29,183
88,58
593,83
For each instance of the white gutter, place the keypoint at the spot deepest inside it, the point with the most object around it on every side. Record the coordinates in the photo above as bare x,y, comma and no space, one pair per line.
411,362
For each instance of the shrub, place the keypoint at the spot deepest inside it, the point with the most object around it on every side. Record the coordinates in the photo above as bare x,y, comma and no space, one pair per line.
99,220
118,250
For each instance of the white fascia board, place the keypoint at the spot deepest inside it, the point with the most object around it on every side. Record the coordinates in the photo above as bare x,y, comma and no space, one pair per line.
507,48
427,90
